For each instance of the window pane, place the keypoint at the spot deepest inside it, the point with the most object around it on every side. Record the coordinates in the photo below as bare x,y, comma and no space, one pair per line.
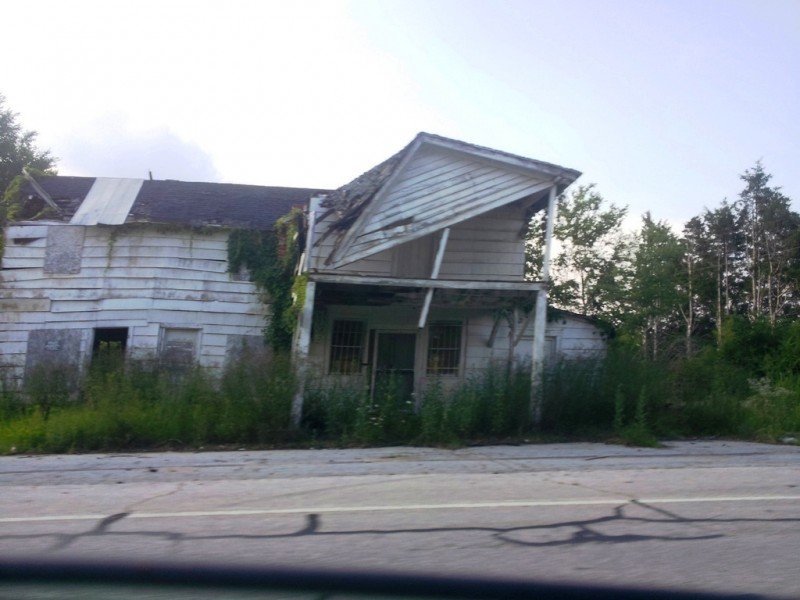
347,344
444,349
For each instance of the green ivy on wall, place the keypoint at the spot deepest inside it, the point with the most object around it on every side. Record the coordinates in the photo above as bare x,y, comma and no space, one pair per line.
271,258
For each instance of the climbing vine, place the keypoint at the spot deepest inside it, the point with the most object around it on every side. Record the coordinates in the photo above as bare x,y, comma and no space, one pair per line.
15,206
271,258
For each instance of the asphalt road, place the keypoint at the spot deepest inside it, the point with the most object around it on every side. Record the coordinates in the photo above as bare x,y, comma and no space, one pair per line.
713,516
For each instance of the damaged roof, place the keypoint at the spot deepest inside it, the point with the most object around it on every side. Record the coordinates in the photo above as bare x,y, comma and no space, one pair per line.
348,201
181,202
432,183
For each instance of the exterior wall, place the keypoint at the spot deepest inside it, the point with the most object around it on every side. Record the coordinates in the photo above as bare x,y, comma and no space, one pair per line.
60,277
488,247
568,337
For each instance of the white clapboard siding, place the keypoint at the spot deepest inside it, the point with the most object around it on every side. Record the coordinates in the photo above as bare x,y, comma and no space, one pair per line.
140,252
143,278
26,231
143,270
11,335
486,247
123,262
95,240
20,262
214,340
27,251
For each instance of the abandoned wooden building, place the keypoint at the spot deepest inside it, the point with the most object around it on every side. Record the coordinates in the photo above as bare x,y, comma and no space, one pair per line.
415,268
142,265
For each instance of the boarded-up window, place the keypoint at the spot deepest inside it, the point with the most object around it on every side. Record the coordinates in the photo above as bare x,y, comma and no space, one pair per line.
444,348
347,346
64,249
179,346
49,348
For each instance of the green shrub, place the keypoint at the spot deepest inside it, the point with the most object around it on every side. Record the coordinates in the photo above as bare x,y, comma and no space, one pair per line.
749,344
331,407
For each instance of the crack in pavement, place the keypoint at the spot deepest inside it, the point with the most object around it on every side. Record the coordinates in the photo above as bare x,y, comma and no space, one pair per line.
577,531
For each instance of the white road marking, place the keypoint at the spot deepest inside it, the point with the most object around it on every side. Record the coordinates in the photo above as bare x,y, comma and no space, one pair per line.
399,508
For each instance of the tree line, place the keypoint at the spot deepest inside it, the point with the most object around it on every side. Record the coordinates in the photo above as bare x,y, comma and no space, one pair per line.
667,292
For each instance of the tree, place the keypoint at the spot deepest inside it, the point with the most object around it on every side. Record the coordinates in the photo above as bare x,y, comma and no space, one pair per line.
17,149
656,291
589,253
724,259
770,231
694,251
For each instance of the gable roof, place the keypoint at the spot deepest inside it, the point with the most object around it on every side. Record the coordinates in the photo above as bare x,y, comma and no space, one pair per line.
182,202
355,203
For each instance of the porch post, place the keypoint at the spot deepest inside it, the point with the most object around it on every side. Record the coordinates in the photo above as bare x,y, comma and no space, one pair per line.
537,366
300,351
540,315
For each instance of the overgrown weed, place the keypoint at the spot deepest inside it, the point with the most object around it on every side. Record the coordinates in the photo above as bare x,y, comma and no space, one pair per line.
620,397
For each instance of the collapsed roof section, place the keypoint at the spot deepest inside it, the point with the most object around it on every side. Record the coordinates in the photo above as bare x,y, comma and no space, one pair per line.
432,183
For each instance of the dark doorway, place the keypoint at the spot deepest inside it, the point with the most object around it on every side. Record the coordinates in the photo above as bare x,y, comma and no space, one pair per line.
394,363
109,341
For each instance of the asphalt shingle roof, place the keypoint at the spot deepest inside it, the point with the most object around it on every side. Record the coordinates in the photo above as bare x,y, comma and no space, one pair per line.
189,203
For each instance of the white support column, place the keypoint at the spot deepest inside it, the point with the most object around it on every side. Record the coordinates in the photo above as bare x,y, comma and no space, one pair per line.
537,362
540,314
552,203
437,265
300,351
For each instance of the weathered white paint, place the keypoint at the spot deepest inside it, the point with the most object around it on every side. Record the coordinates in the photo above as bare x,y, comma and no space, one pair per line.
437,265
142,278
540,315
301,350
108,202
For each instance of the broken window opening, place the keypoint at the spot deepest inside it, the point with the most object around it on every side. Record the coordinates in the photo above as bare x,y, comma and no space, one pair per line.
109,341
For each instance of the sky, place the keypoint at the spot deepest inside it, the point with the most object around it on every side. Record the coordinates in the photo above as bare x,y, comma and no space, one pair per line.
662,104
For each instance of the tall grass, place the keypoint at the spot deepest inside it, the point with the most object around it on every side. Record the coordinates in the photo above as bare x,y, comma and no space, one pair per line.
492,404
137,405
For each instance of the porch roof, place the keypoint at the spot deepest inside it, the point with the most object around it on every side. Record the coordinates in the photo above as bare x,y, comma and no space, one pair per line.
384,291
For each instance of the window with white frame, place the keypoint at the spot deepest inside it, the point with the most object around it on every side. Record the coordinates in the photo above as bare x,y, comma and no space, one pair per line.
347,346
444,348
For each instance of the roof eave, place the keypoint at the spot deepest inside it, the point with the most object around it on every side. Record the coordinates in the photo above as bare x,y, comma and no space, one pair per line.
561,175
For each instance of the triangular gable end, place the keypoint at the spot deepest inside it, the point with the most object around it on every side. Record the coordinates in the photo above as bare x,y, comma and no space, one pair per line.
441,183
